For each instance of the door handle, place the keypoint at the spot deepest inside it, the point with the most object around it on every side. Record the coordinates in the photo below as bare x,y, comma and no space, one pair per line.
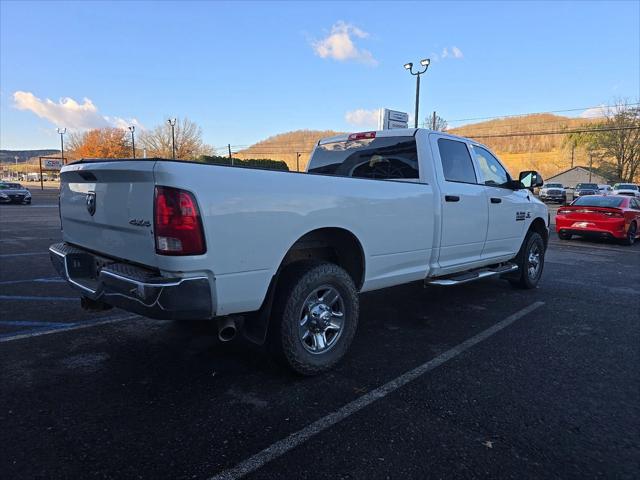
451,198
496,200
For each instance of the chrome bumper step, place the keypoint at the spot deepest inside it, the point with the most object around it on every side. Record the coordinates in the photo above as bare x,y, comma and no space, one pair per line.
471,275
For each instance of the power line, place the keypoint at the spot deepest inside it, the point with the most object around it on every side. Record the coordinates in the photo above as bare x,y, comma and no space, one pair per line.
562,132
538,113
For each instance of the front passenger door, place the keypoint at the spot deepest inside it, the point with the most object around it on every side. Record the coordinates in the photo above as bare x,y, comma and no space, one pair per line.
508,208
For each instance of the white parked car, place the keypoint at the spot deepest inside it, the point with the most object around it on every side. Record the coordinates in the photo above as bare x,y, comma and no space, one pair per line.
605,189
626,189
553,192
283,254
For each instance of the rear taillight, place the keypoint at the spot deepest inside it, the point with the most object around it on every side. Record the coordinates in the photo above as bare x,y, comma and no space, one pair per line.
563,212
177,223
613,214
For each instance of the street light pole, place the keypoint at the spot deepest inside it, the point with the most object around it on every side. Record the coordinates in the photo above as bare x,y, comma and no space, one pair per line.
409,66
61,132
172,122
16,159
132,129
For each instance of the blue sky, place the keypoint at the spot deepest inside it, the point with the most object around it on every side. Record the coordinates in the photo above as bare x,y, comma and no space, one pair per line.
245,71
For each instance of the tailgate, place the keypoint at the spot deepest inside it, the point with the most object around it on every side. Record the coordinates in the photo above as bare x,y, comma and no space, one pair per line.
107,207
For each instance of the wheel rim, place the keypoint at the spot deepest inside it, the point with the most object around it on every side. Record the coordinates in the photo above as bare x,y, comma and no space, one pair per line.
632,233
534,261
321,320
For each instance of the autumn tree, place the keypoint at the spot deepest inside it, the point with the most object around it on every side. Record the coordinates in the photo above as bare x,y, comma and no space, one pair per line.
619,143
100,143
188,137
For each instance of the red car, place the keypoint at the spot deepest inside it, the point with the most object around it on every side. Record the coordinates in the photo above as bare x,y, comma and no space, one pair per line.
599,216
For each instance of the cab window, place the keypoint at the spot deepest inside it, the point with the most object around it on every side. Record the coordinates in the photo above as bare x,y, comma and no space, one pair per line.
456,161
493,172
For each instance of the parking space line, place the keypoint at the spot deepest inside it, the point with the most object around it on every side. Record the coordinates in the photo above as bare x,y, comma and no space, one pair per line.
8,337
31,298
33,323
9,255
35,280
295,439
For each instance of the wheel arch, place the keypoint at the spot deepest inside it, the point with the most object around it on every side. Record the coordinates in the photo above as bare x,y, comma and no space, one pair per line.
539,226
334,244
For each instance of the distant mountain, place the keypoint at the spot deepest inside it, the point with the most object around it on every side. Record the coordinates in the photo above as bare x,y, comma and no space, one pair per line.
9,156
549,154
284,146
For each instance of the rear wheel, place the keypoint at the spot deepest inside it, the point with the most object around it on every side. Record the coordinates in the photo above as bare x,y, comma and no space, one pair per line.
631,235
530,261
315,317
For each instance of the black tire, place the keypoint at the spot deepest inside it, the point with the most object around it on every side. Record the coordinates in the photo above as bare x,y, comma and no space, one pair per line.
295,285
533,243
631,235
564,236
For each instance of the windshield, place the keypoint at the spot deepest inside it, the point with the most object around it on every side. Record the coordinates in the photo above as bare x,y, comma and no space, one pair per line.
553,185
593,201
588,186
625,186
11,186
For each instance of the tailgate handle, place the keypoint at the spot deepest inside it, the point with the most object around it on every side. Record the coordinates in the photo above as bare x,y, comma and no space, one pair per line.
496,200
451,198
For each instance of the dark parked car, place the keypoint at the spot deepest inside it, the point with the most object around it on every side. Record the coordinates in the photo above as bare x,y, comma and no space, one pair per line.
583,189
14,193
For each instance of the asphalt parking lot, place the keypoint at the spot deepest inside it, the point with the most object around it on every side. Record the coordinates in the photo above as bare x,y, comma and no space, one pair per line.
475,381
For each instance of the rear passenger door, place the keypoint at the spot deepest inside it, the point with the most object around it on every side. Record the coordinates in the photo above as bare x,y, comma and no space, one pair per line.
508,208
464,207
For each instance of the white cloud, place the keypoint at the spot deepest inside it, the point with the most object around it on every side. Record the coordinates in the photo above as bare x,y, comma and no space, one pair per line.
595,112
363,118
339,45
448,52
69,113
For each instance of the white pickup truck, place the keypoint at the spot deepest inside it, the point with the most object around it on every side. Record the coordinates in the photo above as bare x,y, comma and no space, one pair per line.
281,256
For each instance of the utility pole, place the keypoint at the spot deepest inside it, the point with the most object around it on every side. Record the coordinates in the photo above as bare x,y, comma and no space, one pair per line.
297,161
172,122
132,129
61,132
409,66
433,121
573,147
16,159
230,157
590,165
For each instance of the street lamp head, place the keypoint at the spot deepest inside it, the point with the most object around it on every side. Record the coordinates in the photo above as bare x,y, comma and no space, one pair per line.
61,131
425,62
171,121
408,65
132,128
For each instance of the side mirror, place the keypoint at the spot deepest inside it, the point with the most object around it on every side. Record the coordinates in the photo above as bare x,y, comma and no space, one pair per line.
531,179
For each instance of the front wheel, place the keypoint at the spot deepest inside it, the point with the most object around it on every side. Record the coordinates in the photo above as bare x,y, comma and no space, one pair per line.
315,317
530,261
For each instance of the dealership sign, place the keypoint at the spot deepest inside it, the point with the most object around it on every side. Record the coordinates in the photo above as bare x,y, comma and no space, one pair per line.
390,119
51,164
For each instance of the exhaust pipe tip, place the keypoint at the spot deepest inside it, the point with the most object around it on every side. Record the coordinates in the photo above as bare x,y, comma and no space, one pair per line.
227,329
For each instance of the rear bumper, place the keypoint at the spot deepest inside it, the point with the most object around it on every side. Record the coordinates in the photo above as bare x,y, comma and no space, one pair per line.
611,231
132,288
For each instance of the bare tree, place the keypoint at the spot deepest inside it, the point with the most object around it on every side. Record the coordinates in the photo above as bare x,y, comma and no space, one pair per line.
619,144
440,126
188,135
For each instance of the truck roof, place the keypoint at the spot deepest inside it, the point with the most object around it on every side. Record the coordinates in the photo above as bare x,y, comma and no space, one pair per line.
396,132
